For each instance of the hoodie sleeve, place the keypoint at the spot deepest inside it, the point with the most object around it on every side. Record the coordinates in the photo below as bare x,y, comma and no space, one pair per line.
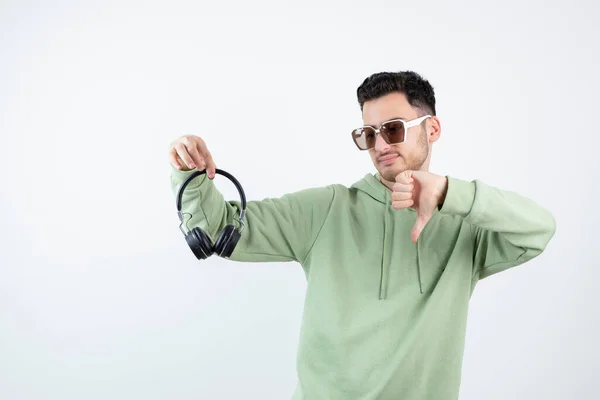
276,229
508,229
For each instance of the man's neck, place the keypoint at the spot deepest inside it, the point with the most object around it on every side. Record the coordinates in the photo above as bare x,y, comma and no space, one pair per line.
389,185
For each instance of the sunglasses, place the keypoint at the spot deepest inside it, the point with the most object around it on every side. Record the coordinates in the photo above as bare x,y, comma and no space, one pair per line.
392,131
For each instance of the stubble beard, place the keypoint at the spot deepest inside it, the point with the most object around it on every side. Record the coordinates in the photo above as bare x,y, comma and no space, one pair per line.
414,161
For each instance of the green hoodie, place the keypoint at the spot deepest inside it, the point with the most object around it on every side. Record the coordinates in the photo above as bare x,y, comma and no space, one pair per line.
384,318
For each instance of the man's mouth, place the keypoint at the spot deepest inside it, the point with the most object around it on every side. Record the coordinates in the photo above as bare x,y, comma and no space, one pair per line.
387,158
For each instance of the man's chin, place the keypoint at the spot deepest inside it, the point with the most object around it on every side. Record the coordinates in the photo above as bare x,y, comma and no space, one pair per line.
389,173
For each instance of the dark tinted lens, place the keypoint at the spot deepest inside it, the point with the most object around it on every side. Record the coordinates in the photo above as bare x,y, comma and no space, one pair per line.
364,138
394,131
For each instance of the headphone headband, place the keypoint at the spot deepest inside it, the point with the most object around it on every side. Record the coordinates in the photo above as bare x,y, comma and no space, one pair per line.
221,172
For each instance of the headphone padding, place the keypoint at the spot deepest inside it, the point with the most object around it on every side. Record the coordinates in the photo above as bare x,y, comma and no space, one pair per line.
231,243
223,239
200,243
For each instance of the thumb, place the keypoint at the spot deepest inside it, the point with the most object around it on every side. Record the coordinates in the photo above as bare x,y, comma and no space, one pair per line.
418,227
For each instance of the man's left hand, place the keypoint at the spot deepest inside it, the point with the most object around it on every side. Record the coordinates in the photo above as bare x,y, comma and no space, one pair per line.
422,191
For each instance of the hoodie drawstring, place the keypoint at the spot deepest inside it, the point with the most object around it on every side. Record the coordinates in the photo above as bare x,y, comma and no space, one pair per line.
383,276
385,261
372,185
419,268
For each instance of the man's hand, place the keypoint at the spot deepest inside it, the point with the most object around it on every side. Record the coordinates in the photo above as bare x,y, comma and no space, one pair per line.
189,152
422,191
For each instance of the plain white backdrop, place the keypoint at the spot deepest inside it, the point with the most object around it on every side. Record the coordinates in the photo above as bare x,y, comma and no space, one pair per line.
100,297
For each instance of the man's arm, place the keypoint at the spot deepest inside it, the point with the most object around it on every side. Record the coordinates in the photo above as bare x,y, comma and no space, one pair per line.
277,229
508,229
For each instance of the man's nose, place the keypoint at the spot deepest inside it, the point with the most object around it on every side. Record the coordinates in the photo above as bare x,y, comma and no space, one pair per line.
380,145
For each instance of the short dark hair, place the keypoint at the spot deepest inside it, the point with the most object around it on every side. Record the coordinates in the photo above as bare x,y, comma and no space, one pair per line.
418,91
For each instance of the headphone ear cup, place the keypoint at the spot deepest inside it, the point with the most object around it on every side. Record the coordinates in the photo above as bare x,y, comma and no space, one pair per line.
223,239
231,243
200,243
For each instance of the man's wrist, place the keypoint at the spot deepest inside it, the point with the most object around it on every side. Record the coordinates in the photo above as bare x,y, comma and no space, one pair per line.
459,197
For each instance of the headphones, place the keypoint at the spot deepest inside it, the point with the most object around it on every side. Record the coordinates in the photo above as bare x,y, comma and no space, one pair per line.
198,240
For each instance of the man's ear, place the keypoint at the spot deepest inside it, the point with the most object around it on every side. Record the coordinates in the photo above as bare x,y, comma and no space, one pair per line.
434,129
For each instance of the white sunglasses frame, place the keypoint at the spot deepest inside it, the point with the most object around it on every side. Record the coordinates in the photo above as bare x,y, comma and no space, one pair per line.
407,126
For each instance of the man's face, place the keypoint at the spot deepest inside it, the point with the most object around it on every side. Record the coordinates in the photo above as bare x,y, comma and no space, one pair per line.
414,152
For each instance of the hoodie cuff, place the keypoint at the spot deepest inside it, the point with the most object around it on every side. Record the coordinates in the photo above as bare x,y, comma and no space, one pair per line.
179,177
460,197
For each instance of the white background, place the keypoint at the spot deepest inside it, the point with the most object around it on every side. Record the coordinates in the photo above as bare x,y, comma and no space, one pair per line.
100,297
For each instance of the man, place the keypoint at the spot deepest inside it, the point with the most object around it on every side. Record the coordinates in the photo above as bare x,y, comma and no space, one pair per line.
390,262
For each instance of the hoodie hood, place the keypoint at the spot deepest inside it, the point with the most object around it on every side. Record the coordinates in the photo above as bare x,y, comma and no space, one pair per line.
371,184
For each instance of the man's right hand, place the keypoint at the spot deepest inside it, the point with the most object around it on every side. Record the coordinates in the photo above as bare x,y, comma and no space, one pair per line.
188,152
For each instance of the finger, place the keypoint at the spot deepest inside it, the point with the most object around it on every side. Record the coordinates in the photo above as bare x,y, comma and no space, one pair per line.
210,163
174,158
404,177
190,143
400,196
184,155
400,204
402,187
196,157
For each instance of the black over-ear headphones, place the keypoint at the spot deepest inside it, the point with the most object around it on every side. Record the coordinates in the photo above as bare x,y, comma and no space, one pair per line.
198,240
